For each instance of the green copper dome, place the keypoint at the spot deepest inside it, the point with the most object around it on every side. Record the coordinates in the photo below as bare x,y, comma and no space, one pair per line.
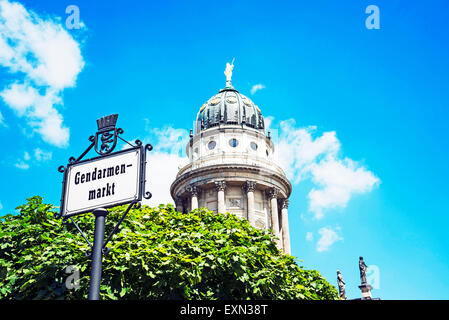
229,107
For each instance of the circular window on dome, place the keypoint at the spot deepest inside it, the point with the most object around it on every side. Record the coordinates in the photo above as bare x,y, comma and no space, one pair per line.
253,146
231,100
233,143
211,145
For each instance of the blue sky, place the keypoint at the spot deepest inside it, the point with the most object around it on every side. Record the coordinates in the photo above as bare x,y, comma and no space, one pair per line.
377,99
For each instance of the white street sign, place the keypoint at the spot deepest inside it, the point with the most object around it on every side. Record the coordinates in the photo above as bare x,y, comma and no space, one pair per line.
103,182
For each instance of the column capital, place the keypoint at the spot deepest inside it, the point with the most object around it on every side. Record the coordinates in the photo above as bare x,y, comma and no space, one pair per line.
193,190
273,193
249,186
220,185
284,203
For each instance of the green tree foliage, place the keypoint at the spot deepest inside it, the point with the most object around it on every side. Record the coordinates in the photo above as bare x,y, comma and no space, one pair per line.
158,253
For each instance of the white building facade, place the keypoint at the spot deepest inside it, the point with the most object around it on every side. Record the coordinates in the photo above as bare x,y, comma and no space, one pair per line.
231,168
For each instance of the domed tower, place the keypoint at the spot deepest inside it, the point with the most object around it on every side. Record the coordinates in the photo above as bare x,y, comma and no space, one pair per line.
230,165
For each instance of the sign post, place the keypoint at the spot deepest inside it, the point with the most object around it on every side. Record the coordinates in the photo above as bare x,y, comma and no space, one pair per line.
102,182
97,254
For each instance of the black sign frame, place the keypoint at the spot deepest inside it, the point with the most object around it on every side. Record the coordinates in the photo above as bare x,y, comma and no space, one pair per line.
106,135
141,183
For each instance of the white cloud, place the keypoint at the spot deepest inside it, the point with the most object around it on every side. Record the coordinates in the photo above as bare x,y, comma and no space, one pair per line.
163,162
41,155
22,165
268,120
257,87
303,156
339,180
2,120
43,59
170,140
309,236
22,162
327,239
162,168
299,150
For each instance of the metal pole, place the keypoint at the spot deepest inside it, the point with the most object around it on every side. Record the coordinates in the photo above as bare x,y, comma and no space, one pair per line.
97,253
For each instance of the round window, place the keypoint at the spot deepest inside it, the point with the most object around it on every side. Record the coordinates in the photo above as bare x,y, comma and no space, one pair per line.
211,145
233,143
253,146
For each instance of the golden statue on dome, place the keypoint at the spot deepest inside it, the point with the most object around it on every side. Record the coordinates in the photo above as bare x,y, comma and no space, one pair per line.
228,73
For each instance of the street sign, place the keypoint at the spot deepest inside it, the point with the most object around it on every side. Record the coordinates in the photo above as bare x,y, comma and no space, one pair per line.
103,182
95,184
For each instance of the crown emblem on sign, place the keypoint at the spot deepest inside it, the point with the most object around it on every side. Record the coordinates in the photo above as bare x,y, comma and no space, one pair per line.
107,123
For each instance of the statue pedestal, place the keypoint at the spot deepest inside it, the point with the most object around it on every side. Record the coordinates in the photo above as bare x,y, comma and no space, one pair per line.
366,291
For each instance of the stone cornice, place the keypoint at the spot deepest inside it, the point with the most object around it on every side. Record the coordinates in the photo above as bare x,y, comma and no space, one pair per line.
219,169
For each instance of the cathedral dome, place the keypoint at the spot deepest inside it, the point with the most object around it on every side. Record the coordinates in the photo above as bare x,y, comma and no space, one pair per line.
229,107
231,165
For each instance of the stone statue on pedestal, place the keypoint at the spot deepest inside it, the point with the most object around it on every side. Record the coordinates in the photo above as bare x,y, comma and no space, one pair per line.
363,267
341,285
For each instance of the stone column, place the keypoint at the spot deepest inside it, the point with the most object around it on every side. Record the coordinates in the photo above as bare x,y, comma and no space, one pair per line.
272,195
249,188
221,186
285,230
185,205
179,204
194,191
